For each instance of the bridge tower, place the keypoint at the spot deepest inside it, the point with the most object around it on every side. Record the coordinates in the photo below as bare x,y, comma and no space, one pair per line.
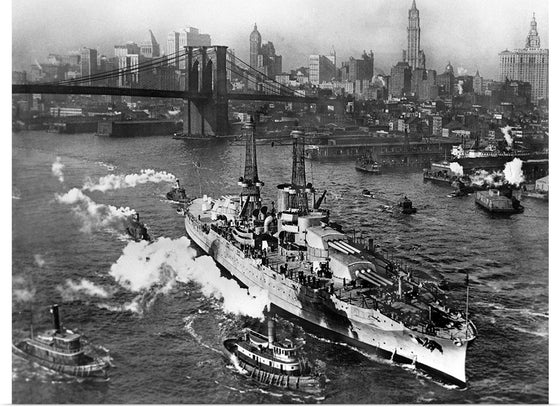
206,107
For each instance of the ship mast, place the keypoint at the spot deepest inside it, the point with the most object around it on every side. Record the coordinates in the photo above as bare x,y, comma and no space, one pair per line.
298,195
467,308
250,192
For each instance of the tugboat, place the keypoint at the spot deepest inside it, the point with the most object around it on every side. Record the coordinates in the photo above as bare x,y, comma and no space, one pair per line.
497,201
61,350
366,164
405,206
367,193
268,361
177,194
137,230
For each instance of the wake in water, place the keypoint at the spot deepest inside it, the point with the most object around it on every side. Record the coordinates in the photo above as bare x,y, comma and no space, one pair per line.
162,264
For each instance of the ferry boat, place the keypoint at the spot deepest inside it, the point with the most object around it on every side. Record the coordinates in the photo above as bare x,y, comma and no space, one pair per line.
268,361
61,350
439,173
491,157
498,201
344,286
368,165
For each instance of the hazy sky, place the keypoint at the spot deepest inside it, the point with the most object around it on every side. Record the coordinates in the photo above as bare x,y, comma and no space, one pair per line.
469,33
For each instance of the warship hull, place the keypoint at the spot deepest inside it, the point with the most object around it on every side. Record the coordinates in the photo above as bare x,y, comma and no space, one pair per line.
365,328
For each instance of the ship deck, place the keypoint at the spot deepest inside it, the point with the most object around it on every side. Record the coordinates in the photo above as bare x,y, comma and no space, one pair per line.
411,308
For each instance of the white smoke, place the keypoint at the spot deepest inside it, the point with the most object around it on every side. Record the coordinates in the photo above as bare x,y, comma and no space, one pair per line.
57,169
95,216
506,132
460,87
483,177
381,79
113,181
456,168
23,294
513,172
22,290
461,71
84,288
158,266
39,260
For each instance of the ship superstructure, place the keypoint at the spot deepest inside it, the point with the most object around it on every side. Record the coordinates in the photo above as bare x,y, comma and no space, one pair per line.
312,270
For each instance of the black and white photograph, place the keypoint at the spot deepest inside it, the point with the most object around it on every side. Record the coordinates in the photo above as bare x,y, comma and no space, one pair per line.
296,202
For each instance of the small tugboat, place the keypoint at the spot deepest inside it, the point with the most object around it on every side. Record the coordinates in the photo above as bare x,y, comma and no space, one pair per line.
499,201
177,194
405,206
270,362
61,350
137,230
367,164
366,192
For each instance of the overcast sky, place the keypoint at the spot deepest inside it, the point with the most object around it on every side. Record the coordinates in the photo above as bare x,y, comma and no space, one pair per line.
468,33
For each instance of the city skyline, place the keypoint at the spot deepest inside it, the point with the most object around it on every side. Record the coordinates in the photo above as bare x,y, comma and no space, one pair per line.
296,29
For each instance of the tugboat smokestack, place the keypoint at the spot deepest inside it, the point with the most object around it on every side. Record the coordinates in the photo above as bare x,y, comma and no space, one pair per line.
56,319
271,331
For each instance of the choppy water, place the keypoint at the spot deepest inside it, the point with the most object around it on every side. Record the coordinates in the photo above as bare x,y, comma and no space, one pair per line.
165,335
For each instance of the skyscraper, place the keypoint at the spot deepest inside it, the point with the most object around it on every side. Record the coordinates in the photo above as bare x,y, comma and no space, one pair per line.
414,55
399,83
321,68
150,48
262,57
173,48
88,63
255,42
529,64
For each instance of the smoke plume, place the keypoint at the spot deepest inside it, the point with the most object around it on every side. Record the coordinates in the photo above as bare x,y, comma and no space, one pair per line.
484,178
456,168
113,181
23,294
147,267
513,172
39,260
95,216
506,132
84,288
461,71
57,169
460,87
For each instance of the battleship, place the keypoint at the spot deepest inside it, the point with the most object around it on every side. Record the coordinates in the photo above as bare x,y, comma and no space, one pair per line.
340,284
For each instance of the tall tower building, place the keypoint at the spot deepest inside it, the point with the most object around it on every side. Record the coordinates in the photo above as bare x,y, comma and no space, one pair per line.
255,42
529,64
150,48
173,48
414,55
88,63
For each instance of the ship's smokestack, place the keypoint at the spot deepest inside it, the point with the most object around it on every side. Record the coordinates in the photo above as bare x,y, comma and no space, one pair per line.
271,331
56,319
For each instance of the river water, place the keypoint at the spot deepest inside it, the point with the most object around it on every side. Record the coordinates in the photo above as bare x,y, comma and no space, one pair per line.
154,308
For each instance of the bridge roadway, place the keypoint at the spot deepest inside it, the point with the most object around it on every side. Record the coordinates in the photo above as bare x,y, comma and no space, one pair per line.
156,93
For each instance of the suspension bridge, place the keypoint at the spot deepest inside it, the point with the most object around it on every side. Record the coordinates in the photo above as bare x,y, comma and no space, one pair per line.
203,83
